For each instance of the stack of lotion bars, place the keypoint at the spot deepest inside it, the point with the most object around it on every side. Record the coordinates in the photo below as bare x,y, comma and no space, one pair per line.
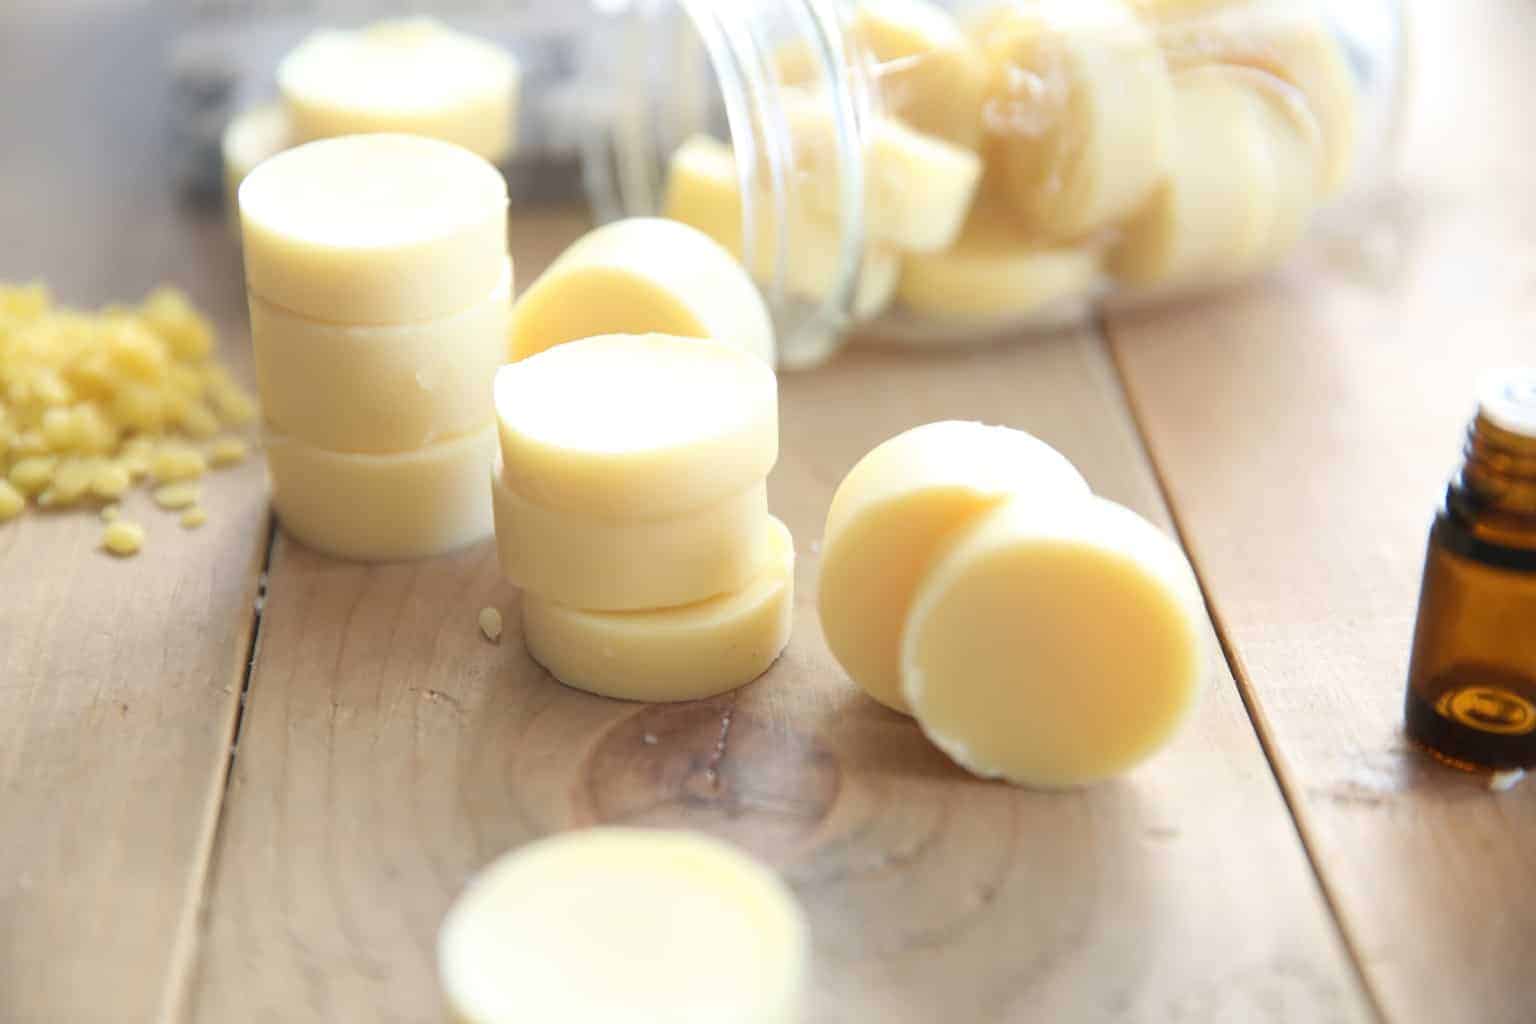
380,293
636,430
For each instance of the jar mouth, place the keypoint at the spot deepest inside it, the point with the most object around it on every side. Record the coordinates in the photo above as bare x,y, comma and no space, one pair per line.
702,68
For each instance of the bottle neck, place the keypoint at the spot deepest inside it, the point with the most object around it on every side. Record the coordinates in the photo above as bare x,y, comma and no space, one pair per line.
1499,470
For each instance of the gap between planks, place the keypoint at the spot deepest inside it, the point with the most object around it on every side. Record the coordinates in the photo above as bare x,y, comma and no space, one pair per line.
186,944
1240,677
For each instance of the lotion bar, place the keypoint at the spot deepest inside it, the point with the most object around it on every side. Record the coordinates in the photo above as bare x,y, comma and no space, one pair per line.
636,426
1055,643
992,271
703,190
587,561
374,229
380,387
409,75
625,924
686,653
641,275
383,507
893,513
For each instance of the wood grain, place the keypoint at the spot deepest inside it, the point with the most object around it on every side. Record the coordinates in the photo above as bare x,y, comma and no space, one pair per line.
389,751
119,680
1305,428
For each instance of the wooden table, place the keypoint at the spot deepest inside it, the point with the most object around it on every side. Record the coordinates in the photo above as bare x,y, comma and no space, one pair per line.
241,782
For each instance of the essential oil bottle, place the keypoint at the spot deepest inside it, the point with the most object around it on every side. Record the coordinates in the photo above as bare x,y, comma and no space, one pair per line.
1471,699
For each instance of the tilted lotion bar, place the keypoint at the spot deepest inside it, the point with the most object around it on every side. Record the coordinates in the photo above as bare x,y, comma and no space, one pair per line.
703,190
891,516
380,387
384,507
614,924
1239,187
636,426
1078,114
410,75
992,270
670,654
374,229
1054,643
640,275
928,73
593,562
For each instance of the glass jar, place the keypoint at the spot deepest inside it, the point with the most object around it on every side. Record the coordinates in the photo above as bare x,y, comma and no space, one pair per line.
935,173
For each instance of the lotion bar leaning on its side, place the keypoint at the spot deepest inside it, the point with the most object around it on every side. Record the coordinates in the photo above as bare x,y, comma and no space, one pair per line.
892,514
380,508
380,387
670,654
703,190
624,924
411,75
644,274
1055,644
374,229
587,561
627,427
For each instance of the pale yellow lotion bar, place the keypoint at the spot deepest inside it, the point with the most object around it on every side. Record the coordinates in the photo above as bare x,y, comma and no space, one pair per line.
614,924
1055,643
374,229
636,426
670,654
380,387
384,507
893,513
643,274
587,561
410,75
704,191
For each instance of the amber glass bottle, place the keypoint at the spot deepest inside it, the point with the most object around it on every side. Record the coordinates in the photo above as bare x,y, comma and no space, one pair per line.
1472,681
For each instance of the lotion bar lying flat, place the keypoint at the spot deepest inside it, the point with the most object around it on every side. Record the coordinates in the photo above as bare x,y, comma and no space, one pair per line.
670,654
891,516
374,229
411,75
586,561
380,387
623,924
636,426
379,508
642,275
1054,643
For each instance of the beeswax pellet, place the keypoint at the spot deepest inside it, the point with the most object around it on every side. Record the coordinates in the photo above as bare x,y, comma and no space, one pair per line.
193,517
172,462
12,501
227,451
490,624
177,495
123,538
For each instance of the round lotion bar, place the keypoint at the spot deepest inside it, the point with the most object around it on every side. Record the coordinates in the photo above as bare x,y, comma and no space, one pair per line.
379,508
1055,644
410,75
380,387
644,274
992,270
891,516
636,426
587,561
669,654
609,925
704,191
374,229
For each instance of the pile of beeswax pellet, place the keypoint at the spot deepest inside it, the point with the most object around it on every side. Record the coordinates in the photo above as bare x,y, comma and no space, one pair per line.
92,403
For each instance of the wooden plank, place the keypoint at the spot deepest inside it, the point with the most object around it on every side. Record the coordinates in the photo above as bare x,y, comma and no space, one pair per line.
119,680
1304,429
389,751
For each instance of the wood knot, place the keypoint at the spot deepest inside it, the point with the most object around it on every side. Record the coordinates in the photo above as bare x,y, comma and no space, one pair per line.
713,766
